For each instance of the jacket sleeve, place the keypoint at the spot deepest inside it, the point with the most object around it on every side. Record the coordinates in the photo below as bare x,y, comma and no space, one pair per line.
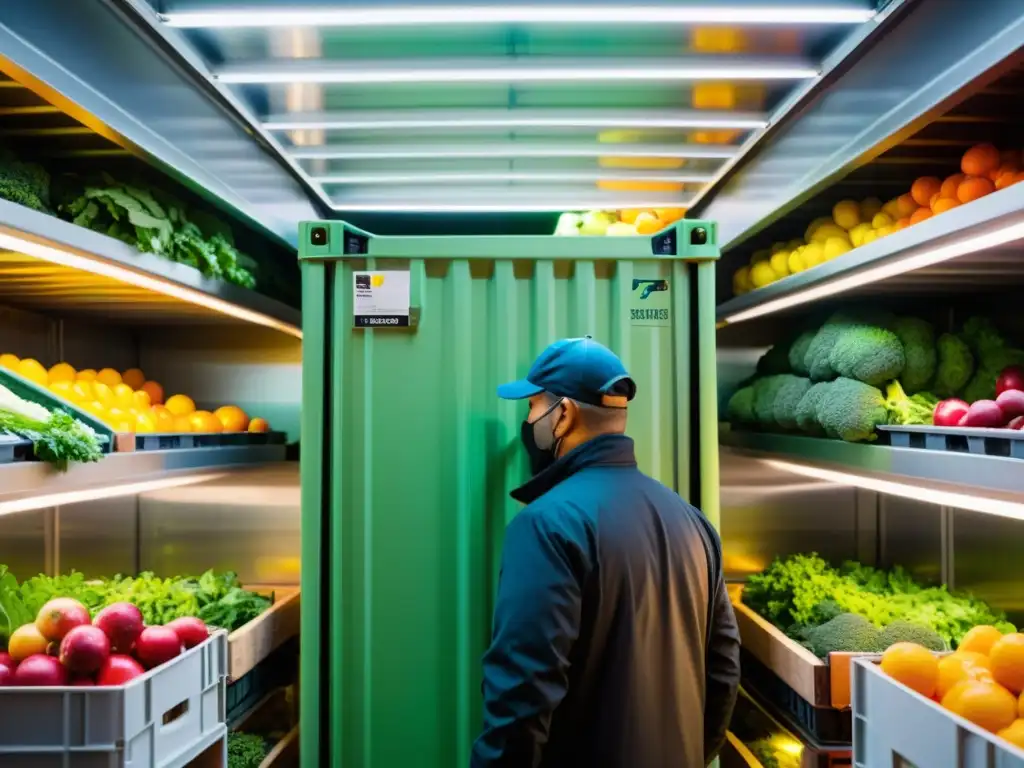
722,670
536,622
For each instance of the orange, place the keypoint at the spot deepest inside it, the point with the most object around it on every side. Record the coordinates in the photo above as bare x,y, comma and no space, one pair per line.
905,206
259,425
1003,169
1020,706
1007,180
62,372
232,418
141,400
920,215
913,665
63,389
134,378
987,705
9,361
145,423
102,392
980,639
1014,734
647,224
182,423
164,419
155,392
923,189
949,186
204,421
902,223
973,188
87,375
109,376
1007,657
33,371
180,405
980,160
629,215
944,204
669,215
124,397
958,667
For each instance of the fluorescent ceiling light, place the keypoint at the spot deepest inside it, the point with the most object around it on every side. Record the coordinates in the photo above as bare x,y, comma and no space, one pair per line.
884,271
577,16
509,73
510,149
106,492
556,207
923,493
501,119
524,177
103,268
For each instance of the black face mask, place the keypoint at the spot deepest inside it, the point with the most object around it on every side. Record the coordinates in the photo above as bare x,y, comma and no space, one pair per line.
542,454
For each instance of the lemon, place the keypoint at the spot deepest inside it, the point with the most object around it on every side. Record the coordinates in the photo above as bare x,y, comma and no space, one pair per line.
792,245
63,389
103,393
813,255
180,405
62,372
780,263
778,247
836,246
741,281
869,207
857,234
97,409
813,226
762,255
762,274
825,231
884,231
846,214
870,237
882,220
796,261
892,209
124,397
9,361
87,375
109,376
33,371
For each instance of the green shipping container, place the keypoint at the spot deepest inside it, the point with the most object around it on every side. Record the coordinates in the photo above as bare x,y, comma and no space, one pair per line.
408,456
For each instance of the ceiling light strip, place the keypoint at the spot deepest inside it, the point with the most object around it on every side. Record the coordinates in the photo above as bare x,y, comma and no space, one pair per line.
522,177
511,149
555,207
63,498
577,16
95,266
986,505
891,268
272,74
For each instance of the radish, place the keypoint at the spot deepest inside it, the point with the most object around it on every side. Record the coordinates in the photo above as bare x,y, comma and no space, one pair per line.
122,623
1011,402
118,670
949,413
40,670
84,650
1011,377
1017,422
156,646
985,413
191,631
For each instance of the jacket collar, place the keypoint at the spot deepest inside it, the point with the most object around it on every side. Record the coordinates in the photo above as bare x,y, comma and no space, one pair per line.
604,450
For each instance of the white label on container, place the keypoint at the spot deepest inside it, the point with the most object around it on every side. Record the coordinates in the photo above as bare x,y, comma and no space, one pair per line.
380,299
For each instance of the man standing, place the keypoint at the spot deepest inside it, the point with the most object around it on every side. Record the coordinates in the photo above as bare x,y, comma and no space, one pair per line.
614,643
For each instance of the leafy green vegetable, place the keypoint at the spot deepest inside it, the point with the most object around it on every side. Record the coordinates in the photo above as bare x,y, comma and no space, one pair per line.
27,184
903,409
803,591
59,440
13,612
246,750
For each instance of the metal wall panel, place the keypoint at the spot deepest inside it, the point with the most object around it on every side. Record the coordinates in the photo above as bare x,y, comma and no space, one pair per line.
987,554
911,536
98,538
247,522
23,539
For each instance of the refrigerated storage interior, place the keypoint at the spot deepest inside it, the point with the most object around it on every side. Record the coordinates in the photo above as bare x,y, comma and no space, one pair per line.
228,120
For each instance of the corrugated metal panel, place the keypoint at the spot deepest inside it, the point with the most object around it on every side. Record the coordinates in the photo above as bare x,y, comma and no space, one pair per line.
401,543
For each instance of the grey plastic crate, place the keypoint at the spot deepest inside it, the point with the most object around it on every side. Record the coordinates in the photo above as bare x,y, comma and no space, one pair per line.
161,720
14,449
894,726
982,441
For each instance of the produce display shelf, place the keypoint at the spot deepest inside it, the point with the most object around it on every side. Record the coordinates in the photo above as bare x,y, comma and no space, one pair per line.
974,440
244,694
275,715
185,441
251,644
893,725
14,449
995,478
49,264
22,482
985,234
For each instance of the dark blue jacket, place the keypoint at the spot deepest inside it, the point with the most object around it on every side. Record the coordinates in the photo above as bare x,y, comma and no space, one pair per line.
615,645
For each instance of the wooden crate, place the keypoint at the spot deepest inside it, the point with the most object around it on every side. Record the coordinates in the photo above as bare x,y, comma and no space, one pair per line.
820,683
249,645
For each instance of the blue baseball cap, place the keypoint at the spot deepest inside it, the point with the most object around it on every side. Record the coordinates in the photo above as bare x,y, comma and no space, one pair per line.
579,369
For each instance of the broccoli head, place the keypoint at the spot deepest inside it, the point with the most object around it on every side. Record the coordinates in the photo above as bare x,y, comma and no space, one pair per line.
905,409
956,364
740,409
787,398
816,359
846,632
982,337
764,400
798,352
867,353
901,631
851,409
918,339
807,408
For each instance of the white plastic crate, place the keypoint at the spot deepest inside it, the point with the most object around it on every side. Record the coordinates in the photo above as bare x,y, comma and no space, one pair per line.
894,727
161,720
